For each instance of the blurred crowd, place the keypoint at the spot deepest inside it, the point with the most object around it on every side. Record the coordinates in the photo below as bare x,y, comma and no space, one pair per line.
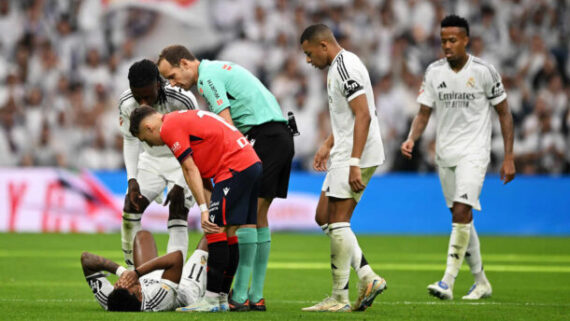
63,68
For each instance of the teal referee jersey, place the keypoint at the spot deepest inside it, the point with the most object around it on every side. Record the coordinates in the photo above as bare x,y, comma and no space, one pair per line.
225,84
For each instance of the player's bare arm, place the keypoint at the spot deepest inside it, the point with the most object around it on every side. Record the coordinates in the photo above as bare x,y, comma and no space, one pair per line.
194,181
418,126
93,263
226,115
171,263
322,156
359,107
506,120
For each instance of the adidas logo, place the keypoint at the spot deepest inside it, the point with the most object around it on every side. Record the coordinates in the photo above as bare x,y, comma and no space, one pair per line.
464,196
226,190
442,85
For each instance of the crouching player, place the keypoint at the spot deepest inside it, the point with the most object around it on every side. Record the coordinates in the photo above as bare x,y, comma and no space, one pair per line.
156,284
208,147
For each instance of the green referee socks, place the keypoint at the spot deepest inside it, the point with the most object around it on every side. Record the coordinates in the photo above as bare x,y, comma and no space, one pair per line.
247,243
260,266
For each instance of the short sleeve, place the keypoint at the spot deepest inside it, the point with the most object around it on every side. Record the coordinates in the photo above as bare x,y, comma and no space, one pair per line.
493,86
214,91
351,77
101,288
426,95
124,121
160,296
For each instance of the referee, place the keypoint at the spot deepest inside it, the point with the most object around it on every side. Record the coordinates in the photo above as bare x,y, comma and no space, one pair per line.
242,100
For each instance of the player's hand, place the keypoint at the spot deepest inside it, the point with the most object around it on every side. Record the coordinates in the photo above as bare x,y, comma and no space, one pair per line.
355,179
407,148
134,194
127,279
508,170
208,226
321,158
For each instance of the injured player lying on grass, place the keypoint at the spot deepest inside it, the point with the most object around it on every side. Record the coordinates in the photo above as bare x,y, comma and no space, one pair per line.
158,283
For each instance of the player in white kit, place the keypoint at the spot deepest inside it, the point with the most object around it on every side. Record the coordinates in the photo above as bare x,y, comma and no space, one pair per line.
355,150
462,89
151,170
156,284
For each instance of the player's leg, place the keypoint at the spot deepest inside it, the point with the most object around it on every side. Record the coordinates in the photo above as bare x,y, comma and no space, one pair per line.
144,248
150,185
242,205
177,220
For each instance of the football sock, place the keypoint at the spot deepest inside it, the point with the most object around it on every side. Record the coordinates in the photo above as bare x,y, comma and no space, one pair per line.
218,259
358,261
131,225
473,256
232,266
247,248
458,242
260,264
325,228
341,256
178,237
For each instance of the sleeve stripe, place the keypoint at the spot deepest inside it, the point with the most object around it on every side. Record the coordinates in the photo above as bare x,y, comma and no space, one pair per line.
125,98
494,73
342,67
183,156
157,299
101,298
182,98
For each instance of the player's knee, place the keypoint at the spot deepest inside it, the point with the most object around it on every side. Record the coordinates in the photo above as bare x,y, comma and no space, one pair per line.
142,234
461,213
130,207
177,209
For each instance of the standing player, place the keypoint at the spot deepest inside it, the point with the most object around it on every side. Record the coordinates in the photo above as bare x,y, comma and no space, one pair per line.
208,147
355,150
243,101
156,284
463,89
154,169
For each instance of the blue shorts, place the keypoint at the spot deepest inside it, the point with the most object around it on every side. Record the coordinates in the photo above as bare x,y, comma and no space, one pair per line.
234,200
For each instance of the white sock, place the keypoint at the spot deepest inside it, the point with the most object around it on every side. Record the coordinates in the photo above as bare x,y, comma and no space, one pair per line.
458,242
473,257
178,237
341,256
359,263
131,225
325,228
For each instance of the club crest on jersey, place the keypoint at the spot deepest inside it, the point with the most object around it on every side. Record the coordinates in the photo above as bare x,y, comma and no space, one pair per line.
175,147
471,82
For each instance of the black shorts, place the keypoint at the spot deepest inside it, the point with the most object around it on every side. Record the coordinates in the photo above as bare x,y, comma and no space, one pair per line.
234,200
273,143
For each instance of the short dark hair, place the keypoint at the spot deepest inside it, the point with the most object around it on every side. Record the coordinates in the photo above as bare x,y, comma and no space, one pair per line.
455,21
142,73
137,117
173,54
311,32
122,300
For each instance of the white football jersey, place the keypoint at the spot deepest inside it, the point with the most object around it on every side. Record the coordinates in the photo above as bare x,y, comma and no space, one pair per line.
347,79
176,99
463,101
157,294
193,280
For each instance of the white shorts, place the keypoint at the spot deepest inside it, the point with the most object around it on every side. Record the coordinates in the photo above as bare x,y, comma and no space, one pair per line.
463,182
156,173
336,182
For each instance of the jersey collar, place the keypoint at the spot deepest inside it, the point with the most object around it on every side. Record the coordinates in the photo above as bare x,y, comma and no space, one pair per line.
464,66
337,55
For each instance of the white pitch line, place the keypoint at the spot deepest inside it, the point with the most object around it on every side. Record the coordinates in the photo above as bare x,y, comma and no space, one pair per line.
394,303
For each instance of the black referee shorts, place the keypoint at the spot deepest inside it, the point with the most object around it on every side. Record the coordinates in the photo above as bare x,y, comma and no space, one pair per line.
273,143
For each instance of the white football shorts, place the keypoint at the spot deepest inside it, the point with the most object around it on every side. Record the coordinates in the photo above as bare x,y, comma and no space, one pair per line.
156,173
463,182
336,182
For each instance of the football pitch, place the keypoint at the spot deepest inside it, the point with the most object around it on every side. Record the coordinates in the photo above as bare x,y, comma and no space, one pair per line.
41,279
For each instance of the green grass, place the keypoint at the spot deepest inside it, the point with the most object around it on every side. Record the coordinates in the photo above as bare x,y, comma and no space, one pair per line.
41,279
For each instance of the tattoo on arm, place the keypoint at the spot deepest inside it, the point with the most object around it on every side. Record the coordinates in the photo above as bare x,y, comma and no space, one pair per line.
93,263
